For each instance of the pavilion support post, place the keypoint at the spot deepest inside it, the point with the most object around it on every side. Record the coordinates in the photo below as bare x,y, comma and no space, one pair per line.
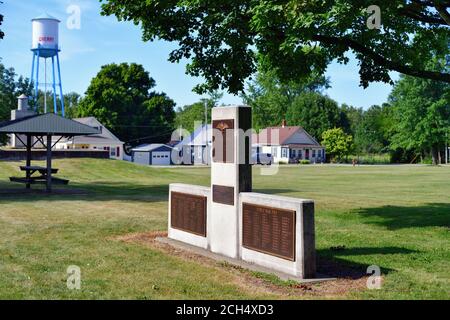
49,163
28,161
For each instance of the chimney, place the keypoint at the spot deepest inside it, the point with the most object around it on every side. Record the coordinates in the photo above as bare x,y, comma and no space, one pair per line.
284,123
22,104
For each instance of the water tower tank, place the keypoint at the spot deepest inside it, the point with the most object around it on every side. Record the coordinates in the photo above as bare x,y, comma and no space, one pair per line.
45,35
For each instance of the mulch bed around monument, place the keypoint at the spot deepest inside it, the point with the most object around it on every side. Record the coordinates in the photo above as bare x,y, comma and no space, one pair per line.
348,280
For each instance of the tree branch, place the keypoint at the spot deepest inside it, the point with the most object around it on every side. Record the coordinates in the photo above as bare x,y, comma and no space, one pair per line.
422,18
442,9
377,58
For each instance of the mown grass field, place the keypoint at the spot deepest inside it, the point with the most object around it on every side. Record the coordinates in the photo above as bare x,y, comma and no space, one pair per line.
396,217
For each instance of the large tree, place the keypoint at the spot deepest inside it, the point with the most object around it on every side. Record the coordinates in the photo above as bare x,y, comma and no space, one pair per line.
421,111
316,113
11,87
120,97
226,39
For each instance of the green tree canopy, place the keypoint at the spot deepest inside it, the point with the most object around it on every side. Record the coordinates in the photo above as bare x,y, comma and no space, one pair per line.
271,99
11,87
120,97
71,102
337,143
371,129
316,113
189,115
226,40
421,111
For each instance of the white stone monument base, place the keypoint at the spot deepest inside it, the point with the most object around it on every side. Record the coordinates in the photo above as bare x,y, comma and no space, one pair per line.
304,264
183,236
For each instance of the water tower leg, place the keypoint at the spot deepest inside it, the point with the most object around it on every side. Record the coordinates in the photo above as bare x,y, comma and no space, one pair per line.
63,113
32,68
36,88
55,107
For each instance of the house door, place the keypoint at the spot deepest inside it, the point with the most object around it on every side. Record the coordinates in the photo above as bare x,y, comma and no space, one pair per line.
307,154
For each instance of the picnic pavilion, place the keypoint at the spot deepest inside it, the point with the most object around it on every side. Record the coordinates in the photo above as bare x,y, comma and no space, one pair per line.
39,130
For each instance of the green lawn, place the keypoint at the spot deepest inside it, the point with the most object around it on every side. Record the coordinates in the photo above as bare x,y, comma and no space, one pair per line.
397,217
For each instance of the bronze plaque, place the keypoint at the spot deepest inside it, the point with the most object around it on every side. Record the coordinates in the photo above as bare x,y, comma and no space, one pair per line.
223,146
223,194
269,230
188,213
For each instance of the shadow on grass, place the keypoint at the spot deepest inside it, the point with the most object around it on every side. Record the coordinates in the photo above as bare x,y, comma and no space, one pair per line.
83,191
334,263
395,217
274,191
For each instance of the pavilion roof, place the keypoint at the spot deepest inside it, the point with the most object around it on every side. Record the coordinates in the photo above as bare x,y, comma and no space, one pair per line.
47,124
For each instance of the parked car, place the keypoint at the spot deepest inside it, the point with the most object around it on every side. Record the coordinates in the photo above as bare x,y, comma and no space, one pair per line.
262,158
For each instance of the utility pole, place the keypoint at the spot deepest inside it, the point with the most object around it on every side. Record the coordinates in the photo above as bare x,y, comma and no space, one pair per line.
446,148
206,112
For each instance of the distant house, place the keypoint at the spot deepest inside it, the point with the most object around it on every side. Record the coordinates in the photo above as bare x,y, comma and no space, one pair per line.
288,144
106,140
153,154
196,148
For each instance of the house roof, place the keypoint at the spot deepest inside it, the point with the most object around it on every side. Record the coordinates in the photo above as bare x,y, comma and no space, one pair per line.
283,136
104,136
150,147
202,135
47,124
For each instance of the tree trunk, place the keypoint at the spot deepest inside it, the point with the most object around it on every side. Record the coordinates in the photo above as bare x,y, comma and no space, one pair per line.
434,155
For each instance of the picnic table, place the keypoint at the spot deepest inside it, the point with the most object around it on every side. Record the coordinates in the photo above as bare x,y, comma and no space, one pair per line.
42,178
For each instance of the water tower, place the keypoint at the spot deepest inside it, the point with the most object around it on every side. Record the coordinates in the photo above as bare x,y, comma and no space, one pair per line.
45,46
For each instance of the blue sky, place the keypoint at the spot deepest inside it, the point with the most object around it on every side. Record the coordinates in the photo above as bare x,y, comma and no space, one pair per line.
102,40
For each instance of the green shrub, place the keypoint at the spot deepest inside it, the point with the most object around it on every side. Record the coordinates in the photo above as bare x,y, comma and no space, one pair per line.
369,159
304,162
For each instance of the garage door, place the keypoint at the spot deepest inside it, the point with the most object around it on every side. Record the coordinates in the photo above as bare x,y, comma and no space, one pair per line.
161,158
142,157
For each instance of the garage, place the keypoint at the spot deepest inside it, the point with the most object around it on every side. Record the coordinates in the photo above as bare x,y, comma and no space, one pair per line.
152,154
161,158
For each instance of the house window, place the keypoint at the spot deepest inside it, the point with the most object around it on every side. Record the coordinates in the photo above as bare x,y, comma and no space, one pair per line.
319,153
314,153
284,152
300,154
112,152
293,153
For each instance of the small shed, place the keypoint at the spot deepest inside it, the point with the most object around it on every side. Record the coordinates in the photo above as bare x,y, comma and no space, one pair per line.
153,154
40,129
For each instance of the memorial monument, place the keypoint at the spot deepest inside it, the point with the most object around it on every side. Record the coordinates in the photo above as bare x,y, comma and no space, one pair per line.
230,220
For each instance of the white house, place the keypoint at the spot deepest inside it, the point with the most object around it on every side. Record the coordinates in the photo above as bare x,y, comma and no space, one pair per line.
288,144
196,148
106,140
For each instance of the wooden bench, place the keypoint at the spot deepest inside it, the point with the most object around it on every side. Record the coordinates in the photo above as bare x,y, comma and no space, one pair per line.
41,179
41,170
